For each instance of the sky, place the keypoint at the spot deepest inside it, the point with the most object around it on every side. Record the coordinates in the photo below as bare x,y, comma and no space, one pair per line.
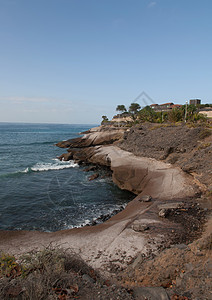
72,61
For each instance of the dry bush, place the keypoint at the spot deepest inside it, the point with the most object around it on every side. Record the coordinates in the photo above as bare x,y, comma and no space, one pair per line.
44,274
204,133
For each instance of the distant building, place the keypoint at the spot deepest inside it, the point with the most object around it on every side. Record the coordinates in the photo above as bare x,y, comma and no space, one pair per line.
165,106
195,102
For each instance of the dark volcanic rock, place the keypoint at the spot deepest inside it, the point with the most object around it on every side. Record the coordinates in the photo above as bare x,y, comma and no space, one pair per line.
91,168
66,156
94,176
160,142
179,145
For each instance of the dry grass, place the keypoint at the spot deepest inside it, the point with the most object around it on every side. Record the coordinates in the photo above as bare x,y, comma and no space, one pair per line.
203,146
46,274
204,133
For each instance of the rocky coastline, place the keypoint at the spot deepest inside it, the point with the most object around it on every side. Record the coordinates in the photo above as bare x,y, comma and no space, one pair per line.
165,165
162,239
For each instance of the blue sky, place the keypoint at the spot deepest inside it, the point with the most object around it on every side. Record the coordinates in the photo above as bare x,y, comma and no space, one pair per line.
72,61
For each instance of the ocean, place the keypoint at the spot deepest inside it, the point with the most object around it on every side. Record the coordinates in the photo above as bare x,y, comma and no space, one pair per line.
39,192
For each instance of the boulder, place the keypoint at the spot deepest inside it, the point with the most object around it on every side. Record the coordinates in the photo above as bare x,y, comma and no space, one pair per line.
144,198
66,156
139,227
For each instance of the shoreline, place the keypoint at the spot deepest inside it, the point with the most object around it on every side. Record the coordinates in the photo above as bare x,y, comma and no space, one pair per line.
163,214
160,180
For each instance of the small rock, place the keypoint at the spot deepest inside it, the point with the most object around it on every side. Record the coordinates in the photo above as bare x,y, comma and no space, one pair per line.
171,205
163,213
180,246
91,168
86,277
189,267
139,259
139,227
153,293
187,294
94,176
178,281
145,198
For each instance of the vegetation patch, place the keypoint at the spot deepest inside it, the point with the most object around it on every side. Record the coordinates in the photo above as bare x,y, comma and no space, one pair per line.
204,146
54,274
204,133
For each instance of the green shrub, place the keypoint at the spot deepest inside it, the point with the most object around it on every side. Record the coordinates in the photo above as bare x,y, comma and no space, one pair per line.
9,266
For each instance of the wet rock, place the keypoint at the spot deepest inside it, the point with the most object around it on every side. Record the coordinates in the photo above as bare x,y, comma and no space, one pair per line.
94,176
91,168
153,293
66,156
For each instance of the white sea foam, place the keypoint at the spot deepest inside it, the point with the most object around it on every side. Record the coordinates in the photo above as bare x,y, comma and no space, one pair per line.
57,165
40,167
24,171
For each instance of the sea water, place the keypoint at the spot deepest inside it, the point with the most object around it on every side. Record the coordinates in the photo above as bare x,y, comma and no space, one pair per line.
39,192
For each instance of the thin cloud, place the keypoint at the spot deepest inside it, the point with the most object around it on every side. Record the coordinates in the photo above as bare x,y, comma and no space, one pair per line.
36,100
152,4
26,99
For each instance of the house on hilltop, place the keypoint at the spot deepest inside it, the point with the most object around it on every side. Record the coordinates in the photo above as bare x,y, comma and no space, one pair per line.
195,102
165,106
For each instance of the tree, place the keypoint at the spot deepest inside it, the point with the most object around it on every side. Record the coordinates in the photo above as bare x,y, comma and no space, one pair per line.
134,108
147,114
189,111
121,108
176,115
105,120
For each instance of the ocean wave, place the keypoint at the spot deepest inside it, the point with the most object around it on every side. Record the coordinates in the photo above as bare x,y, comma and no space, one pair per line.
41,167
58,165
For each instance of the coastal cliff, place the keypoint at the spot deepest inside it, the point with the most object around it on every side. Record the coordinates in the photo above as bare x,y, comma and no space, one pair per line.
170,168
161,234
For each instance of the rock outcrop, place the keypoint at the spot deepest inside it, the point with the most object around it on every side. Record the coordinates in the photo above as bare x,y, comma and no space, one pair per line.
140,175
93,139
